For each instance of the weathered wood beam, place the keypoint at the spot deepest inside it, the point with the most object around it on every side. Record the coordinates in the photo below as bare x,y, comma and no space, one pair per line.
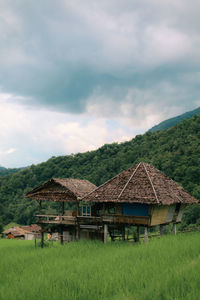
105,233
77,208
146,237
61,238
138,233
42,238
40,206
123,233
63,207
77,231
161,230
174,228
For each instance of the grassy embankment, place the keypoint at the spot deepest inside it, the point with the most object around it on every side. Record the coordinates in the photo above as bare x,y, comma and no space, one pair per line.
166,268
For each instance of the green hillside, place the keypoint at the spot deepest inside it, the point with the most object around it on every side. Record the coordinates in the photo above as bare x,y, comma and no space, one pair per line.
174,151
176,120
5,171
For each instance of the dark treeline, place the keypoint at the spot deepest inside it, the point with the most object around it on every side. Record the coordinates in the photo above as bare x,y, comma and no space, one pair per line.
4,171
174,151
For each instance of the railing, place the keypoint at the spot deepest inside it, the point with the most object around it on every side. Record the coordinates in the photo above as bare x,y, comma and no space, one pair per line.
55,219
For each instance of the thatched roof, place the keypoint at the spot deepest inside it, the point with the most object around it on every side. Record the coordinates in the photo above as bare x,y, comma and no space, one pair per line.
66,189
142,183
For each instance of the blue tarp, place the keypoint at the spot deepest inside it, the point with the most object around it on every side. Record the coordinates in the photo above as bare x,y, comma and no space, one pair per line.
135,209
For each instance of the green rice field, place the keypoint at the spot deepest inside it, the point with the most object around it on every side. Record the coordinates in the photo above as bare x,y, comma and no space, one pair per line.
165,268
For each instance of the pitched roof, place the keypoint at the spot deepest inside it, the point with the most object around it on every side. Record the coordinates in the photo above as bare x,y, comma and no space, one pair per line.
142,183
65,189
22,230
33,228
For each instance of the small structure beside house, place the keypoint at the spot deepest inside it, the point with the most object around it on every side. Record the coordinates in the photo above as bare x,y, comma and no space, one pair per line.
28,232
139,196
64,191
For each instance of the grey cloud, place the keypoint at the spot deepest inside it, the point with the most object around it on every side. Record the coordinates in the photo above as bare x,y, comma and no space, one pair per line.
60,54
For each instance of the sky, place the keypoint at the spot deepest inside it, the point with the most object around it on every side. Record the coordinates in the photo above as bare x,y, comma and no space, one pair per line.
76,74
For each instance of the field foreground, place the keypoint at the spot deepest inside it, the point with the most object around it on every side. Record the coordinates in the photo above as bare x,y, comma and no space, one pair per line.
166,268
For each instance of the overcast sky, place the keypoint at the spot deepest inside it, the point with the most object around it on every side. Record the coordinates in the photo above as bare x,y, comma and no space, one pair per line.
75,74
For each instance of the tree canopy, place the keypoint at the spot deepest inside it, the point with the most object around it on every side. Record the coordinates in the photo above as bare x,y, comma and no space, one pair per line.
174,151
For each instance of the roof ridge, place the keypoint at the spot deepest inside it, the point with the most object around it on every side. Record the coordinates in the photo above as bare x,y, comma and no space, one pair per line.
153,188
129,180
97,188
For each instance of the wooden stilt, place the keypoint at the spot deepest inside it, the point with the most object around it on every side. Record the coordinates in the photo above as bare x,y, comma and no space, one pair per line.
61,238
146,237
63,208
138,233
112,236
127,234
174,228
123,233
77,209
77,231
161,230
42,239
105,233
40,206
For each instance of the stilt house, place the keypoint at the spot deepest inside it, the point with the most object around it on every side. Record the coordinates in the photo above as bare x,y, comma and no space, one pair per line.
139,196
63,191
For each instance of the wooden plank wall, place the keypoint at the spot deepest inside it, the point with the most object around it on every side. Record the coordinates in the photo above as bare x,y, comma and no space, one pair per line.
159,215
165,214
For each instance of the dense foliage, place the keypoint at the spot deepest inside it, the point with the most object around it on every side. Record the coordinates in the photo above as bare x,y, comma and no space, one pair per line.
176,120
174,151
5,171
165,269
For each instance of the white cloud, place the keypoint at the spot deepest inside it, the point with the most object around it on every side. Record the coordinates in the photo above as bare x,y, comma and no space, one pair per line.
107,70
30,136
8,151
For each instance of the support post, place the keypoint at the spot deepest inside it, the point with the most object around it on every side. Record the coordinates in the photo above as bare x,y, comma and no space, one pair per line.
77,231
40,206
123,233
161,230
42,239
127,235
174,228
105,233
146,237
77,208
61,238
63,208
138,233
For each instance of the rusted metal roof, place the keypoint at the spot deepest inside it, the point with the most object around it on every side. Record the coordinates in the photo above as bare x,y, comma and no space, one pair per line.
34,228
141,183
66,189
18,231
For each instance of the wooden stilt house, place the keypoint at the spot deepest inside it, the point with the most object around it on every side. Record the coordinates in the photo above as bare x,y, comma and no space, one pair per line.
139,196
62,191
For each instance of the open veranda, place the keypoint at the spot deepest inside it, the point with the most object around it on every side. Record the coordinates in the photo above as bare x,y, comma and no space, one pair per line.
165,268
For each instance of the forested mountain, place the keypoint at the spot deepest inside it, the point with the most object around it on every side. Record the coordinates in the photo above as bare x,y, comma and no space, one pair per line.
176,120
5,171
174,151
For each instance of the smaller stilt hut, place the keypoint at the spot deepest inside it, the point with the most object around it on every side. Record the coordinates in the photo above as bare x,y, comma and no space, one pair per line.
141,196
64,190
